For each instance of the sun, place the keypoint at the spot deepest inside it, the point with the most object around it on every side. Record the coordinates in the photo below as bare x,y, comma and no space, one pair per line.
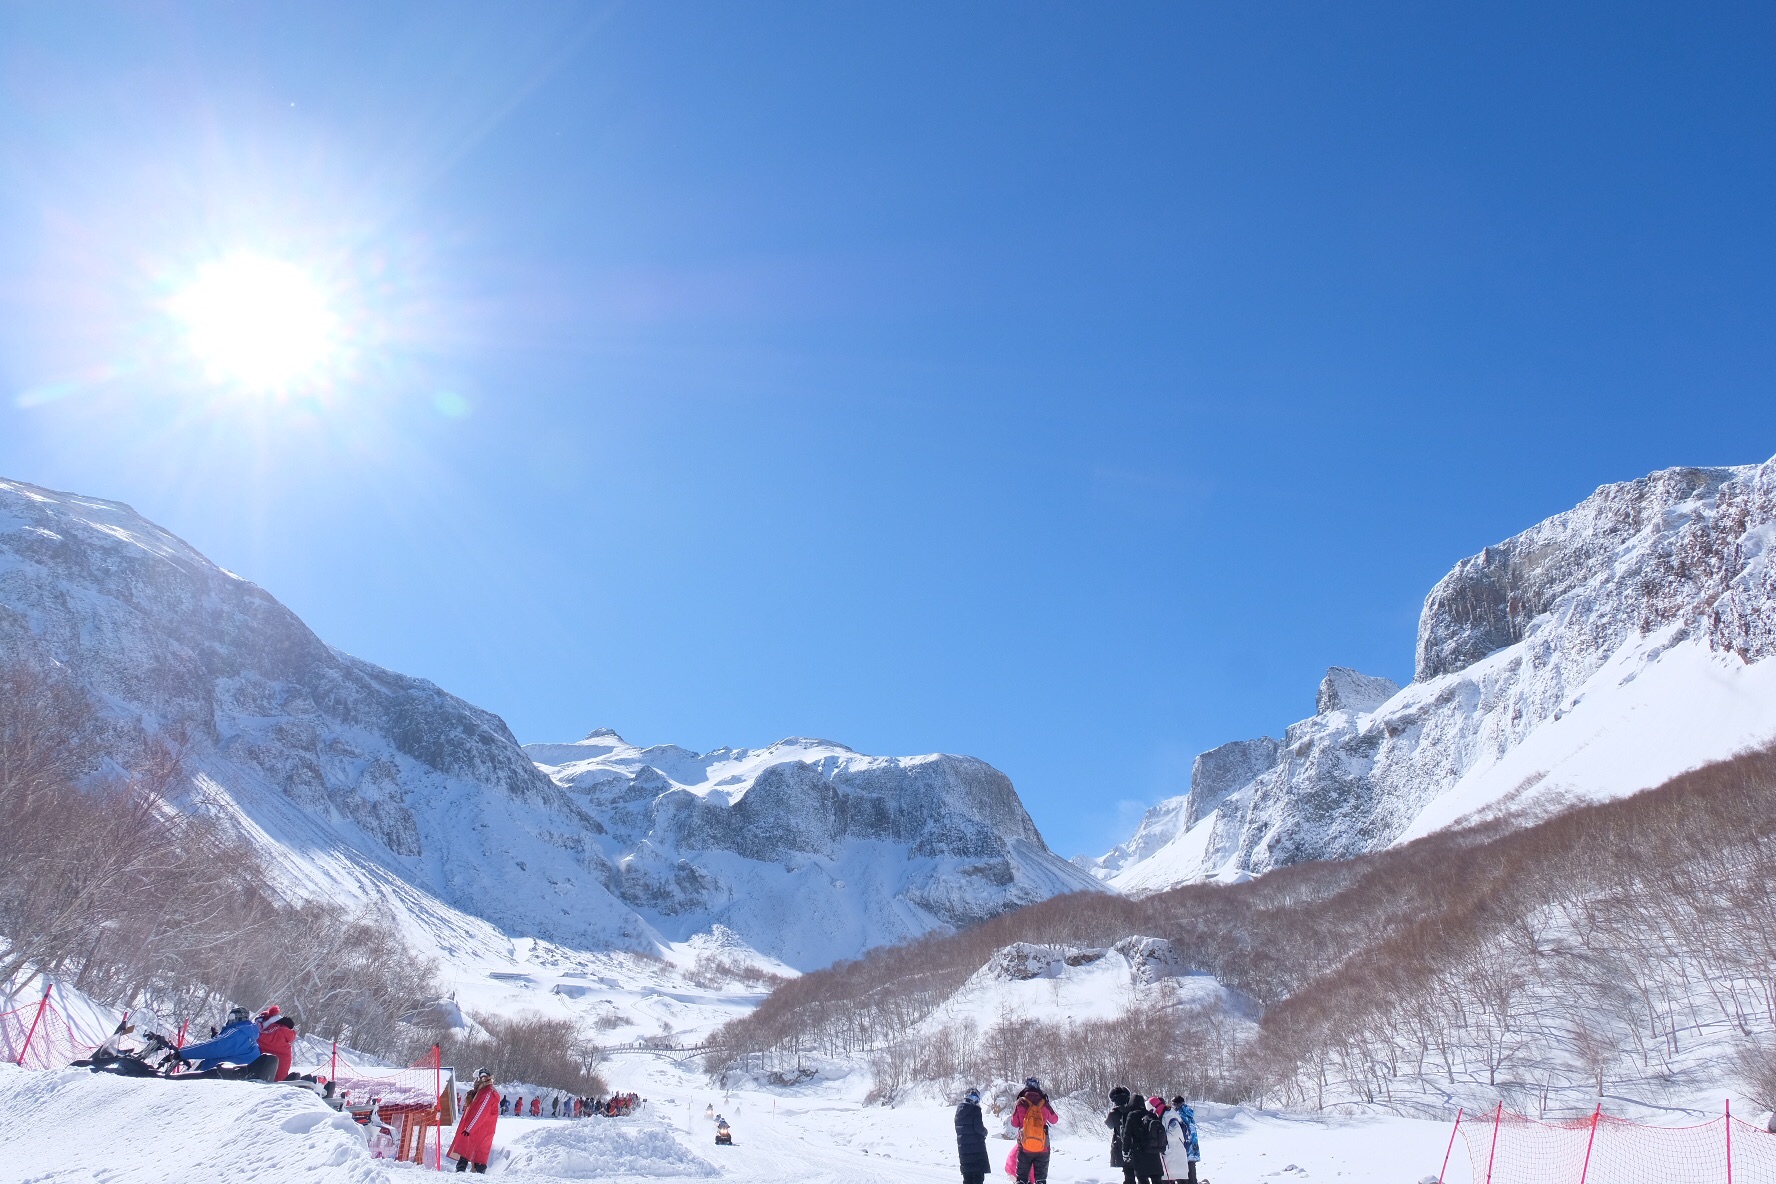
259,323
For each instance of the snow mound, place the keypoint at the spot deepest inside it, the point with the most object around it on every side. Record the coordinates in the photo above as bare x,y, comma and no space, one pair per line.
220,1132
593,1149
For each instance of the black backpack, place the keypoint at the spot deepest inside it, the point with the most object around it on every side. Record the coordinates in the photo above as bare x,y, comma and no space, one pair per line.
1134,1132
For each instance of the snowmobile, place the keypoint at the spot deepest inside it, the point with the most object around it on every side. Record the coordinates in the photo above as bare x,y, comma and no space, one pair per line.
158,1058
723,1136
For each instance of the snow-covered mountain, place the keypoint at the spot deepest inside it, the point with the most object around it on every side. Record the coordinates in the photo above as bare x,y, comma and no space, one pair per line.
362,783
808,850
1594,655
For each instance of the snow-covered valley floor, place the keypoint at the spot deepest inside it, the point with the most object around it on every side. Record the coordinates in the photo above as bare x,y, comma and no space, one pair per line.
74,1127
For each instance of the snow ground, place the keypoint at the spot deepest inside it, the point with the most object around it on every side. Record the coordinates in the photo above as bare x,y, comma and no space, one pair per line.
74,1127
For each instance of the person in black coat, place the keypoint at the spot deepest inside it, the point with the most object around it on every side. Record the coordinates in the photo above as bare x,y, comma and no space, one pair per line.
1143,1142
1118,1116
971,1139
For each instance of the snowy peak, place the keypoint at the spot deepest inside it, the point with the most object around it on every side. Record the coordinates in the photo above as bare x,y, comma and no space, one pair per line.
1597,653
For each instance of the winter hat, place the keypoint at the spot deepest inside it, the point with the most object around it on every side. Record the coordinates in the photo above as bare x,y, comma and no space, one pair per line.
972,1097
1137,1103
1157,1104
480,1073
1032,1083
1178,1103
1119,1096
237,1014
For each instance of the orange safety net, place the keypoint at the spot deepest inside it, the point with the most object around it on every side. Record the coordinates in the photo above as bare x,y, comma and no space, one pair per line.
1512,1149
415,1100
38,1036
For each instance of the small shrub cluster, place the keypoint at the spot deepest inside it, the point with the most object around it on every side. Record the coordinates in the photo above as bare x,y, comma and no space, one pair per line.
537,1050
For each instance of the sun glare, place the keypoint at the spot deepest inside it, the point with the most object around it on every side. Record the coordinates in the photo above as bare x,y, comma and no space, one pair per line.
259,323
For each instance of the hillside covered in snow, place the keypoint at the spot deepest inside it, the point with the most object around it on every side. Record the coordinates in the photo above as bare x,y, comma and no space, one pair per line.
357,783
1596,654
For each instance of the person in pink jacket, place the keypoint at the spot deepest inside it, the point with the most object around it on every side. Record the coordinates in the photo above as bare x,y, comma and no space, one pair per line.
1031,1118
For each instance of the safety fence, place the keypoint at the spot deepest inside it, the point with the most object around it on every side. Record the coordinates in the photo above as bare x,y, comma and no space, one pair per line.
407,1107
1514,1149
39,1035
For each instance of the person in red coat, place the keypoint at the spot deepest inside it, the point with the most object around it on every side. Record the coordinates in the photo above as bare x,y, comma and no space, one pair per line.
279,1038
474,1130
536,1106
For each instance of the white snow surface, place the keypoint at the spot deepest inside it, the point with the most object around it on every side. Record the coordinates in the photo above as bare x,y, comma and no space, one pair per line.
72,1126
1594,655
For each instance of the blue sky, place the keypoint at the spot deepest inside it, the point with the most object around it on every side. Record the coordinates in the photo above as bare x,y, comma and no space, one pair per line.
1068,385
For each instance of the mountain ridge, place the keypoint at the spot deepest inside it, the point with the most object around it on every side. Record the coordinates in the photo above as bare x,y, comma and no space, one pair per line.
1596,653
372,785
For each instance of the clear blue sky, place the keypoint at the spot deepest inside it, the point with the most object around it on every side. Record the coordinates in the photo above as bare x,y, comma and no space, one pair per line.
1068,385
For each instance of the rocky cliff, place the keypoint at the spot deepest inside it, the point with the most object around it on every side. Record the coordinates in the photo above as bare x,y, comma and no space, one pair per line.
1594,654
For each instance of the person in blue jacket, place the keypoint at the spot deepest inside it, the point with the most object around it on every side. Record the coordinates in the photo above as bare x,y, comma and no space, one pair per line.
236,1044
1180,1123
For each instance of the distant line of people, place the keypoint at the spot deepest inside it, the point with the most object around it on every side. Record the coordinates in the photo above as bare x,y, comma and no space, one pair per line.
567,1106
1153,1142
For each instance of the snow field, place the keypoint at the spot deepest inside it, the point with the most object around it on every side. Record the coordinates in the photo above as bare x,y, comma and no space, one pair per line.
73,1126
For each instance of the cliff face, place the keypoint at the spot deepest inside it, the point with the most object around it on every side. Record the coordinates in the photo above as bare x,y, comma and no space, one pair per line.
360,782
808,845
1594,654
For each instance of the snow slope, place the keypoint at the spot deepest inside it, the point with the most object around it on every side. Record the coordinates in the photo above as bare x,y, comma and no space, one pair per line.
362,784
1594,655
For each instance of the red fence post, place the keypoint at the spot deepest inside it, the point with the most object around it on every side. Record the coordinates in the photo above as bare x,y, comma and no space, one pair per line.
333,1065
438,1099
1586,1170
1498,1119
35,1020
182,1030
1729,1124
1441,1173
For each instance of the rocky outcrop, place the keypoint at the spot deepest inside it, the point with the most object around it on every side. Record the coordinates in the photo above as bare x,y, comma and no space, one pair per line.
1665,580
1221,772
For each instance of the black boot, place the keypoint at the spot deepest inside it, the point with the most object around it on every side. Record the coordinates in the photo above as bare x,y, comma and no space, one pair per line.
462,1165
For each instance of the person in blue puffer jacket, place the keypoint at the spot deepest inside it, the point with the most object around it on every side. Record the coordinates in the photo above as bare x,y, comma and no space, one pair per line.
236,1044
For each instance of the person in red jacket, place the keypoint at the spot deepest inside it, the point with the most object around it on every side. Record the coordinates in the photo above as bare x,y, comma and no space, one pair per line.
474,1131
536,1106
279,1038
1031,1118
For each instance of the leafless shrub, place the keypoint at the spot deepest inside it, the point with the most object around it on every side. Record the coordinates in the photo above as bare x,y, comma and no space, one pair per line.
103,878
533,1049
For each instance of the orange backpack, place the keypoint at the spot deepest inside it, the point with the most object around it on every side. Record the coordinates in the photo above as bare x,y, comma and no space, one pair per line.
1035,1138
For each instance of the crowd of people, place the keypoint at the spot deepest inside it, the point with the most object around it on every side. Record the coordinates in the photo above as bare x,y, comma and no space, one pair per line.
1151,1140
567,1106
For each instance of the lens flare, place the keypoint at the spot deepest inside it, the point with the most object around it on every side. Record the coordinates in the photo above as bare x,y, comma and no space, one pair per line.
259,323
